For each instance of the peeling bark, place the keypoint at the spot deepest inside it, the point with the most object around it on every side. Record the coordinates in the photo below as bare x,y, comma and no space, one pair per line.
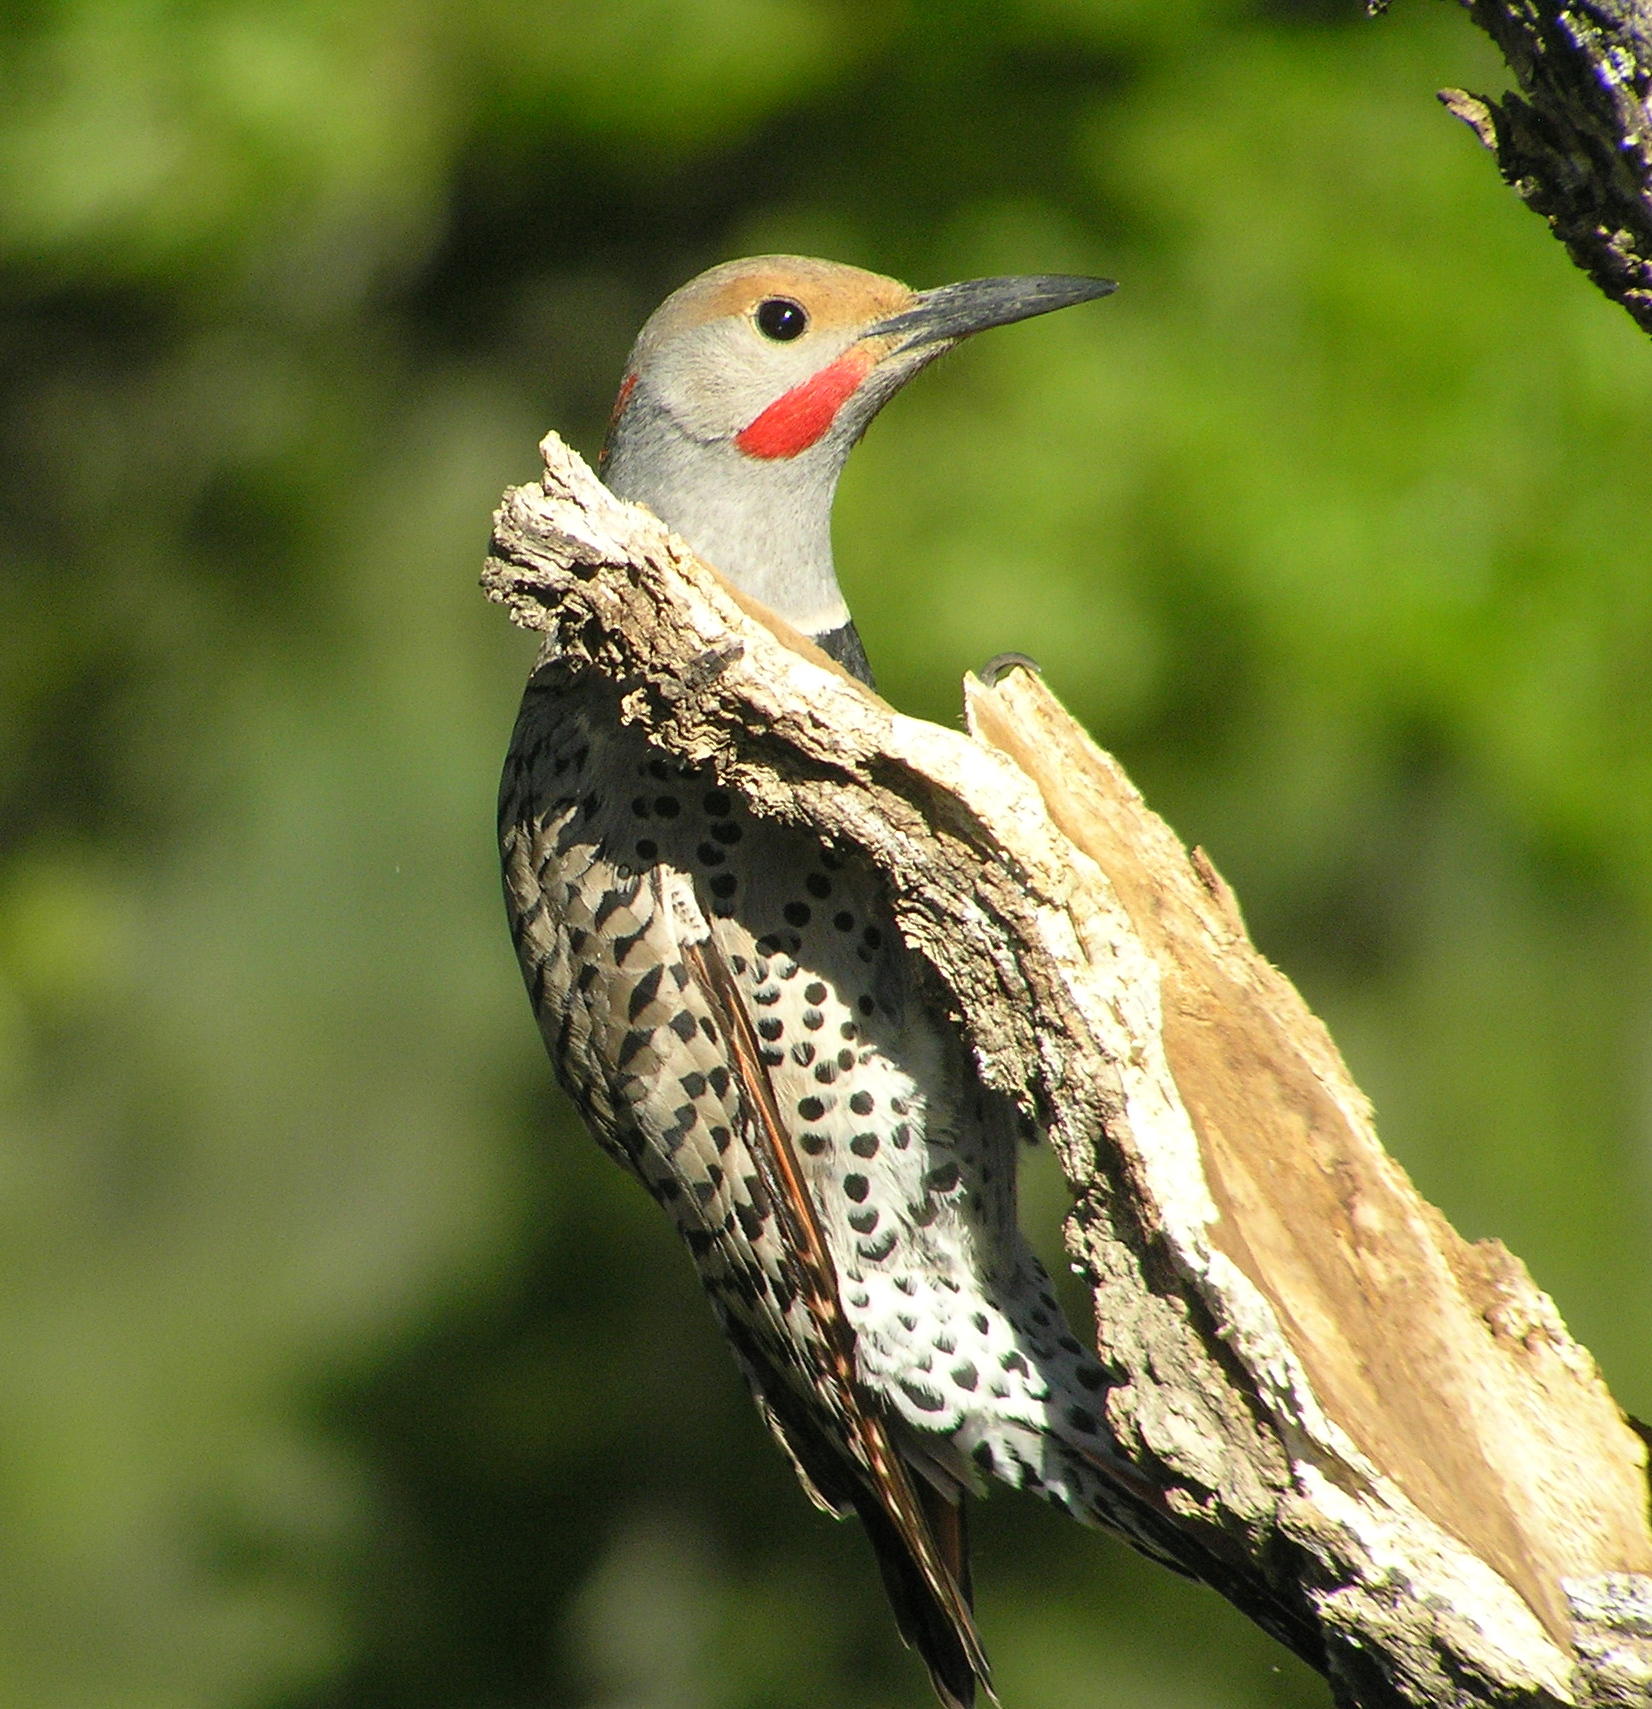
1379,1439
1576,143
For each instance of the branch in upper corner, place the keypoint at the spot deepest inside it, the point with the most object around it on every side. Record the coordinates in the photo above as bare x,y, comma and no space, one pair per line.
1376,1439
1576,143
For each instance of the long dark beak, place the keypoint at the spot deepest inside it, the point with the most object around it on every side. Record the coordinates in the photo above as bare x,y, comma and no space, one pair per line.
955,311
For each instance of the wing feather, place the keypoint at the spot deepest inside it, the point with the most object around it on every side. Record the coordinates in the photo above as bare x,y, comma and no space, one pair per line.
916,1530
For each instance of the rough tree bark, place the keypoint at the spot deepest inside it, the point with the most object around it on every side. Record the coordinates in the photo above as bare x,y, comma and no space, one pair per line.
1379,1438
1576,143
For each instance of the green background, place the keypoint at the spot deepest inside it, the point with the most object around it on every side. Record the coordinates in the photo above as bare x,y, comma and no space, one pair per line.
337,1369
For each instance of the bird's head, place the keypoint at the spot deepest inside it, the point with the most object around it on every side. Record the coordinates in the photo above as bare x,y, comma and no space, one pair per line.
747,389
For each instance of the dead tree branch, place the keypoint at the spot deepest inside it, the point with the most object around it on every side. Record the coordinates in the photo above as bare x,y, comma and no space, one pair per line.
1378,1439
1576,143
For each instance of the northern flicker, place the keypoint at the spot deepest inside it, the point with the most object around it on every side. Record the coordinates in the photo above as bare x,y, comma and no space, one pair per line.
729,1002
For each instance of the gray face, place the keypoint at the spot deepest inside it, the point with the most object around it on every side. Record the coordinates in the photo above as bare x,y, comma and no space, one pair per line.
706,369
748,388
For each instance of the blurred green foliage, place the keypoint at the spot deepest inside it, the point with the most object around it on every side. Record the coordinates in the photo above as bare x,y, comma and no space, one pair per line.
337,1369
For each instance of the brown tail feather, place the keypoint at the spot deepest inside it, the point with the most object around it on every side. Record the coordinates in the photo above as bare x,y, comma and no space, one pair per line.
932,1626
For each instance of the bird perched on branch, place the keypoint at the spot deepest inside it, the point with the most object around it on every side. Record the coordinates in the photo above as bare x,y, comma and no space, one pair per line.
730,1004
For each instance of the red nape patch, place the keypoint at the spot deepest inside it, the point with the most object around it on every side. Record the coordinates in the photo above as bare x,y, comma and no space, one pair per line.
794,422
627,386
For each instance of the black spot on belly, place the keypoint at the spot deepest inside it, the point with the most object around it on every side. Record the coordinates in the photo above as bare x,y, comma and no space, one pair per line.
922,1396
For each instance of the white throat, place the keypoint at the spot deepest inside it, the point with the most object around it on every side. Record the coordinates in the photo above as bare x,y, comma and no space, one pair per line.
766,524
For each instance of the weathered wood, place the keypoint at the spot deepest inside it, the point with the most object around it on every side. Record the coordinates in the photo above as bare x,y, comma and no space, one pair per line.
1576,143
1379,1438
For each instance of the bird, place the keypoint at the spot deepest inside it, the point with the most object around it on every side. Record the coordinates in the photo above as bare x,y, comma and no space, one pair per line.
730,1006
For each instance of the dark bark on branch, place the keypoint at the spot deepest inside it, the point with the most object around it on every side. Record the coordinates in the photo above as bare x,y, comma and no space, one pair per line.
1576,143
1379,1439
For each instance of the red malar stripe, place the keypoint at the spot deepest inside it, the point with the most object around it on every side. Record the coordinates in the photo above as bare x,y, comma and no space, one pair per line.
627,386
794,422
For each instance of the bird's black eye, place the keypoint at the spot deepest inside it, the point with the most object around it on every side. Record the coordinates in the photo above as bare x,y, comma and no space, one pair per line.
781,319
